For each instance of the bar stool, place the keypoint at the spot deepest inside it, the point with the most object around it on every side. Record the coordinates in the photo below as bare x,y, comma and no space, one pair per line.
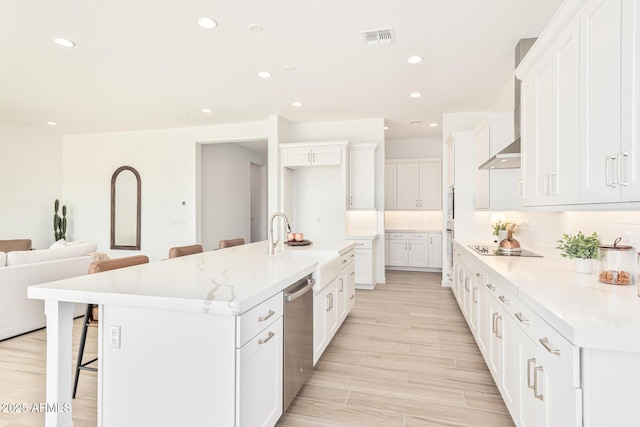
231,242
179,251
91,315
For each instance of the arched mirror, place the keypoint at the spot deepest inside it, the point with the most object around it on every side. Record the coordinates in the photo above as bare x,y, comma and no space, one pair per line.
125,208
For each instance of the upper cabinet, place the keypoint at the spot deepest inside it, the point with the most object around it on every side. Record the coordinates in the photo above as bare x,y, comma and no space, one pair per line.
362,176
494,189
418,184
609,90
312,154
581,107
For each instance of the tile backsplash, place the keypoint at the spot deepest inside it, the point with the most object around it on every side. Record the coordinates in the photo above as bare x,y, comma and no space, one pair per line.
413,220
540,231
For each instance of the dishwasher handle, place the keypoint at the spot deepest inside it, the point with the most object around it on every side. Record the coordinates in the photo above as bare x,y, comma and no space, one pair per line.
292,296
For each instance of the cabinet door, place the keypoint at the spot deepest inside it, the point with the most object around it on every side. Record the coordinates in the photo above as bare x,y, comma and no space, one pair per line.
321,308
326,156
398,253
296,156
390,187
482,176
564,180
451,161
484,326
362,178
350,280
528,167
332,314
495,340
418,253
363,267
435,251
510,376
430,186
542,147
341,297
601,27
407,179
259,378
530,408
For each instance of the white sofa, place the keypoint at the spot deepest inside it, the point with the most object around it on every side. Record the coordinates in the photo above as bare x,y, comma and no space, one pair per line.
21,269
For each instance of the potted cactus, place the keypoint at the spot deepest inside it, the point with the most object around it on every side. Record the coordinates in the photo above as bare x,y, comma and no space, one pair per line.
59,222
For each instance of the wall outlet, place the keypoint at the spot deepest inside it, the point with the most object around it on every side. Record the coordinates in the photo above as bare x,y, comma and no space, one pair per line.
114,336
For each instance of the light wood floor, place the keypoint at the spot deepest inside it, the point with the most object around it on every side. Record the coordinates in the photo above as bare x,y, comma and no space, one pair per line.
403,357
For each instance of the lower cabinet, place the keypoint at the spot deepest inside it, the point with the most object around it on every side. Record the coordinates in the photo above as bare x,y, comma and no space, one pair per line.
420,250
535,368
365,263
325,318
259,378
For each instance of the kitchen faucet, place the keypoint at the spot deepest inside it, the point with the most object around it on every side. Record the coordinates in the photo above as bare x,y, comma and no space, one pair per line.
272,244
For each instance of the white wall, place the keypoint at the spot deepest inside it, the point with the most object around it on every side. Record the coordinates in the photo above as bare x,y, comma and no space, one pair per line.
413,148
506,98
354,131
226,192
30,181
168,163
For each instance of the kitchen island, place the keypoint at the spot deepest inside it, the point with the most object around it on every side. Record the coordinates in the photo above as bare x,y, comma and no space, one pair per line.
188,341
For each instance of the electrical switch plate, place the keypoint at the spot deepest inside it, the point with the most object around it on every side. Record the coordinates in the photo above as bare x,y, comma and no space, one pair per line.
114,336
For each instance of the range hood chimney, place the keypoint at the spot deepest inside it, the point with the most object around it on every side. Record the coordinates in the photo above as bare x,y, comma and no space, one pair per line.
509,156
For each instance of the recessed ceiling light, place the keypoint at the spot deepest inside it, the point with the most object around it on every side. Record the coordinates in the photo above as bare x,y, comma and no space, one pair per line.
207,110
255,28
207,23
264,74
433,125
289,67
416,122
414,59
63,42
415,95
297,104
52,123
386,128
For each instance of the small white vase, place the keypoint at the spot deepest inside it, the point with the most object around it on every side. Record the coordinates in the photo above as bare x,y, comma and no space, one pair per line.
583,265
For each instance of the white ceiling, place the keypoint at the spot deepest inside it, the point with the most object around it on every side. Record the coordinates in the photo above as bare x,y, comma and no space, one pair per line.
148,65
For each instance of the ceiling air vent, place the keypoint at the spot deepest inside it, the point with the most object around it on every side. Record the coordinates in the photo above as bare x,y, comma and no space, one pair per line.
379,36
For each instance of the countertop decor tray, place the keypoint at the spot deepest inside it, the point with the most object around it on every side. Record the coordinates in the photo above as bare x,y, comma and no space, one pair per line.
300,243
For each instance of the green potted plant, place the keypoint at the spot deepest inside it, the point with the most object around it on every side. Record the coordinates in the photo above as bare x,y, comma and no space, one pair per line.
581,249
500,229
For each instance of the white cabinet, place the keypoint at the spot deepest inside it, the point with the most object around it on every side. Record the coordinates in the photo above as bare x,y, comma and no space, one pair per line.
417,185
496,188
362,176
551,124
259,378
325,318
451,161
365,263
421,250
312,154
390,186
345,294
580,107
609,137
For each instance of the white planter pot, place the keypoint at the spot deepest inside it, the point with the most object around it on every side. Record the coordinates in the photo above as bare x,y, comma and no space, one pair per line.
583,265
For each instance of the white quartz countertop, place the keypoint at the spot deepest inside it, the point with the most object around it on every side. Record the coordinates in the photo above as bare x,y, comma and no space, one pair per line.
586,312
228,281
372,236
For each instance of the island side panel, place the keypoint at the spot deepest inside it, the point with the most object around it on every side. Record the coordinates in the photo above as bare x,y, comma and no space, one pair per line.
172,368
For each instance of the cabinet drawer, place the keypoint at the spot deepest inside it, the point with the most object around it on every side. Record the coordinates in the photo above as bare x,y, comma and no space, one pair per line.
417,236
249,324
501,291
397,236
347,257
363,244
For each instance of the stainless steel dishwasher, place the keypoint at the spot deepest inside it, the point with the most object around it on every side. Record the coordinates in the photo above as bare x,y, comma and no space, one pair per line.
298,338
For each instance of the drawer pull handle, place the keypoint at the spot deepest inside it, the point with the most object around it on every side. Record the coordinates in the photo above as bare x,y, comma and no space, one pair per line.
545,344
478,275
504,300
535,383
475,295
491,287
264,341
359,244
352,297
263,318
521,318
529,363
352,255
498,332
344,261
493,326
